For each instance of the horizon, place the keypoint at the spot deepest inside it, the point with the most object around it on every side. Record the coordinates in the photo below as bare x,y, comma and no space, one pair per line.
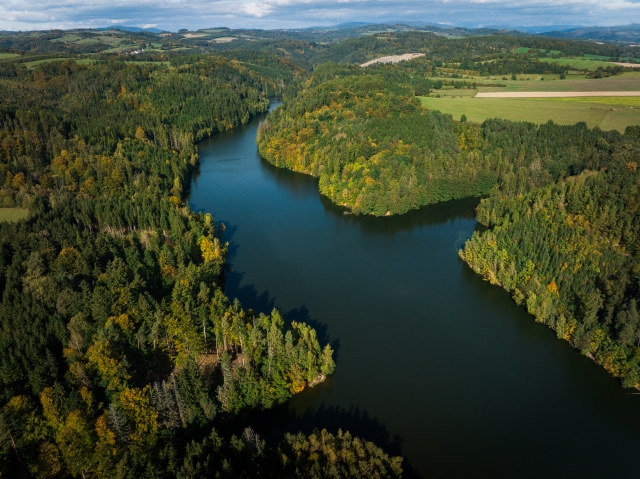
523,28
169,15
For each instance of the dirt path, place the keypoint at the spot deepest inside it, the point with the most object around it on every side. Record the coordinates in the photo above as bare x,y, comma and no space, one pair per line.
554,94
393,59
630,65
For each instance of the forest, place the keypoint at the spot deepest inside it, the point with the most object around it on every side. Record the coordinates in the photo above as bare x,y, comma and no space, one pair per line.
120,355
560,202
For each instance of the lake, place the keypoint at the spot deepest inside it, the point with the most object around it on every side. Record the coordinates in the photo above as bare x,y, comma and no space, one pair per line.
433,363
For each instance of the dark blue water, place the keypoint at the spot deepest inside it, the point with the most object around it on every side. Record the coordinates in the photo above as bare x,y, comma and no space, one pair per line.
432,362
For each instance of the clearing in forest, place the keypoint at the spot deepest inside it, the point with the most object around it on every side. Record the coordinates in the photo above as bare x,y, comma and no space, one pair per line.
393,59
13,214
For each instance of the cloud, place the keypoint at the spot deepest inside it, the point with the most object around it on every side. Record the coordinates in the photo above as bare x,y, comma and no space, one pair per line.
194,14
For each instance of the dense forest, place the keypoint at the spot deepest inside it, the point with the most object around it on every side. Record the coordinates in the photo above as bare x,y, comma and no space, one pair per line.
561,201
570,252
376,151
120,356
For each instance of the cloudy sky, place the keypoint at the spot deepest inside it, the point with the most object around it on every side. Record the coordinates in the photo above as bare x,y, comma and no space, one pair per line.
194,14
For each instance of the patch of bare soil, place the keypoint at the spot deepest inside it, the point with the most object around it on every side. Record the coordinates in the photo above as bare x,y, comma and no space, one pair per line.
393,59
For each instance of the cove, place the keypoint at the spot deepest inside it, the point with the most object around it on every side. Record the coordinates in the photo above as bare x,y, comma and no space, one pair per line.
433,363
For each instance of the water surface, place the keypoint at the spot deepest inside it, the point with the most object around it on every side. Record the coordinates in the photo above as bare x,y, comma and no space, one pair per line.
432,362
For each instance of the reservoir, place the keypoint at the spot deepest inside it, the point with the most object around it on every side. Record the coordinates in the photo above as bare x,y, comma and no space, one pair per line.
433,363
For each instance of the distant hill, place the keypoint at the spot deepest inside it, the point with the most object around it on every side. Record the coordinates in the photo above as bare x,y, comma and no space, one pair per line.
544,28
348,25
133,29
622,33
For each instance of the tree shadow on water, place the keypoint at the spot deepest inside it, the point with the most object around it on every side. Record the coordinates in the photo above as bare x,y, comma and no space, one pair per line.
277,422
263,302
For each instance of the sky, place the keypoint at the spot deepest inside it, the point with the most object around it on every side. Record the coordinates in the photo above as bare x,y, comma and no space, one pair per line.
194,14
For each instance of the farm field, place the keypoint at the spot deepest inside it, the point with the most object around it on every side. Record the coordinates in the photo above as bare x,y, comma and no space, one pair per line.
13,214
615,115
581,63
629,81
35,63
66,39
7,56
557,94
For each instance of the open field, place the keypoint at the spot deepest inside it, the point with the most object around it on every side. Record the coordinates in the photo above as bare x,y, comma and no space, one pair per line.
87,41
222,40
555,94
7,56
633,101
13,214
68,38
579,63
120,48
628,65
628,81
35,63
608,116
393,59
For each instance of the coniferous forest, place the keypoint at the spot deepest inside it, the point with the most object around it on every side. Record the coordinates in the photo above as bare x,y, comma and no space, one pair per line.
120,356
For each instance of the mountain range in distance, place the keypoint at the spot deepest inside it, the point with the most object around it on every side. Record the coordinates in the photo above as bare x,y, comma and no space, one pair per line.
132,29
619,33
629,34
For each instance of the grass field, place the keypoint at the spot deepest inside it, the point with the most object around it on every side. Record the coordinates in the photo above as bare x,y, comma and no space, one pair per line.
13,214
7,56
579,63
120,48
608,116
628,81
112,40
35,63
88,41
632,101
69,38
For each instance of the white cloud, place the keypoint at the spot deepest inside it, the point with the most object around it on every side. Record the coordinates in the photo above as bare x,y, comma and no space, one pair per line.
193,14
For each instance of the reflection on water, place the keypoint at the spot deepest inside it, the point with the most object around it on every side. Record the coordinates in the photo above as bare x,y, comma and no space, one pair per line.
433,363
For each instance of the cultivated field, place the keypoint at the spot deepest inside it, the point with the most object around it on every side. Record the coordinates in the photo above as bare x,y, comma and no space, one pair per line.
619,113
629,81
555,94
35,63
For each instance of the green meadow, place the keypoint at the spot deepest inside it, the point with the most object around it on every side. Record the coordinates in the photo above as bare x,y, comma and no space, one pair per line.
606,113
579,63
